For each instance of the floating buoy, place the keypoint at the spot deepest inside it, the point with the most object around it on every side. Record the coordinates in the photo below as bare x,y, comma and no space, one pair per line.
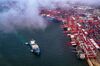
26,43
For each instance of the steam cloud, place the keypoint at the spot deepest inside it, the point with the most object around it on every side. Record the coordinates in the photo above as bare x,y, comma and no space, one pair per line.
25,13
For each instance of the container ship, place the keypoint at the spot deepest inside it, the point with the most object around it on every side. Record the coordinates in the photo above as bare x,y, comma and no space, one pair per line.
82,25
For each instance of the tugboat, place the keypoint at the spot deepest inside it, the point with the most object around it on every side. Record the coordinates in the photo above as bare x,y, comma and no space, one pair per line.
79,53
34,47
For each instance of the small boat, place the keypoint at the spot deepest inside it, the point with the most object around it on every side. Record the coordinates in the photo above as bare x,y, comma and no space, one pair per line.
34,47
80,54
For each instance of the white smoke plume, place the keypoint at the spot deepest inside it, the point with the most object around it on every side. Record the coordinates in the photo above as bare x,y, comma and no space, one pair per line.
25,13
20,13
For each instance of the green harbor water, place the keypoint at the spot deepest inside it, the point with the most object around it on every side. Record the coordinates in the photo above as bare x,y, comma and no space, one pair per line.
52,42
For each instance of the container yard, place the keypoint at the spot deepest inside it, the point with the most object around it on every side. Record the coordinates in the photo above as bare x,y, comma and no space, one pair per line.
49,33
83,27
